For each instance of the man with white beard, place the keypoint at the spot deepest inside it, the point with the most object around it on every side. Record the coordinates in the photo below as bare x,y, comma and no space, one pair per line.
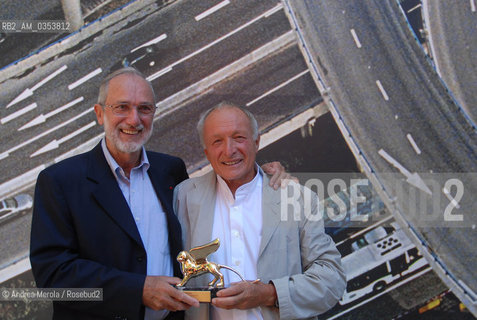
104,219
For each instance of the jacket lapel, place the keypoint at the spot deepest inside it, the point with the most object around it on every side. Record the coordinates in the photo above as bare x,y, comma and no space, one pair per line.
108,194
270,212
203,198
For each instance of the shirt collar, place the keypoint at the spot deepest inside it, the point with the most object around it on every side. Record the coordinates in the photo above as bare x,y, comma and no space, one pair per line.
115,168
241,191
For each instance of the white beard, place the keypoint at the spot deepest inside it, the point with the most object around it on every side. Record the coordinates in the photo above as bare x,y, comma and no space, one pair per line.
112,134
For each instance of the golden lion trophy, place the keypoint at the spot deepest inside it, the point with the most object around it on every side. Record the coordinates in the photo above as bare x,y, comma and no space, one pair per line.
194,263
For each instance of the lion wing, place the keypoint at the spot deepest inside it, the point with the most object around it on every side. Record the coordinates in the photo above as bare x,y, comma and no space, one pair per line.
200,253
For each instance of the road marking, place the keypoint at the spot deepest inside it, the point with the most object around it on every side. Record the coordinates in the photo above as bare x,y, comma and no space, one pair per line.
18,113
42,118
161,72
84,79
178,99
412,178
381,88
21,145
413,143
414,8
29,92
54,144
273,10
472,5
278,87
355,37
211,10
150,42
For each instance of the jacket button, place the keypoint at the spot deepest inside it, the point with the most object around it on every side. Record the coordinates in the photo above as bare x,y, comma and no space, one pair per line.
139,259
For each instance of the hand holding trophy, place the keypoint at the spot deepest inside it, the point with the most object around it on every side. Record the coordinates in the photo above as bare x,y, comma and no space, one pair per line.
194,263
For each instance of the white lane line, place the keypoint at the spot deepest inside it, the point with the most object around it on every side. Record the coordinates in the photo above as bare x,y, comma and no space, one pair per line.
413,143
414,8
18,113
472,5
273,10
278,87
355,37
161,72
381,88
84,79
21,145
51,76
29,92
150,42
54,144
412,178
211,10
42,117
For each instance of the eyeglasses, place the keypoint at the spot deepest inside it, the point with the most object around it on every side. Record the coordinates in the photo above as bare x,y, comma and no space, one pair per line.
123,109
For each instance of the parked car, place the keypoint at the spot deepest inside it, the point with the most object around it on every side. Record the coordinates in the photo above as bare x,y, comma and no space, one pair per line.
10,207
142,59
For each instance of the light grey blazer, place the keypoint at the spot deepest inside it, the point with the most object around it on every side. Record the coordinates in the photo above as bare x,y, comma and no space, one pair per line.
295,254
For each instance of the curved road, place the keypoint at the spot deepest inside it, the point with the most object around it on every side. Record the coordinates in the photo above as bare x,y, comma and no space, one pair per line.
413,142
452,29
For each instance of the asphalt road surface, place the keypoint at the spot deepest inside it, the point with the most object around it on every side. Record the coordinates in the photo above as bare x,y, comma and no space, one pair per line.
452,26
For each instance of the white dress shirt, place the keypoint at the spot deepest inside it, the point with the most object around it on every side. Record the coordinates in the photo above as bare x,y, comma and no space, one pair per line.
149,216
238,225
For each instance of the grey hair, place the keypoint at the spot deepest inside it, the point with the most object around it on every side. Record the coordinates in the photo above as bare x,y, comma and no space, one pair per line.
103,88
224,105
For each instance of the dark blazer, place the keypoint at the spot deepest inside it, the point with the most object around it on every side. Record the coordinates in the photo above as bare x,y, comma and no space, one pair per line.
84,236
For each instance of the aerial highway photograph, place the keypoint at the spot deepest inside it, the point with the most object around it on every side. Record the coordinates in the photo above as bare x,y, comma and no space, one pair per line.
372,104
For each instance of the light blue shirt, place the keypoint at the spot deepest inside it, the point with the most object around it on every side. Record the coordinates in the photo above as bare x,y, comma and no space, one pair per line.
149,216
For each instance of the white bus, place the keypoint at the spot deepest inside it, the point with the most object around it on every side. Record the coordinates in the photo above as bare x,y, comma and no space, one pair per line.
371,267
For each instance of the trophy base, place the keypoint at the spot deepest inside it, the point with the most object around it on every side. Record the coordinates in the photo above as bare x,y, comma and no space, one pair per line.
201,294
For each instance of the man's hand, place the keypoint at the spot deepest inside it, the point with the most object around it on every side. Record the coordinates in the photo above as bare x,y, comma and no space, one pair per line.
158,294
278,174
246,295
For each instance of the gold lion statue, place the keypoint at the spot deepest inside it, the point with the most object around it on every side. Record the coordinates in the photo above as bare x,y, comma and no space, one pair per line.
194,263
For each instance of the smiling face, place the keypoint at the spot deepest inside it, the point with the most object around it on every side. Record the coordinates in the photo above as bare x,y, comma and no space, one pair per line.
126,135
230,147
